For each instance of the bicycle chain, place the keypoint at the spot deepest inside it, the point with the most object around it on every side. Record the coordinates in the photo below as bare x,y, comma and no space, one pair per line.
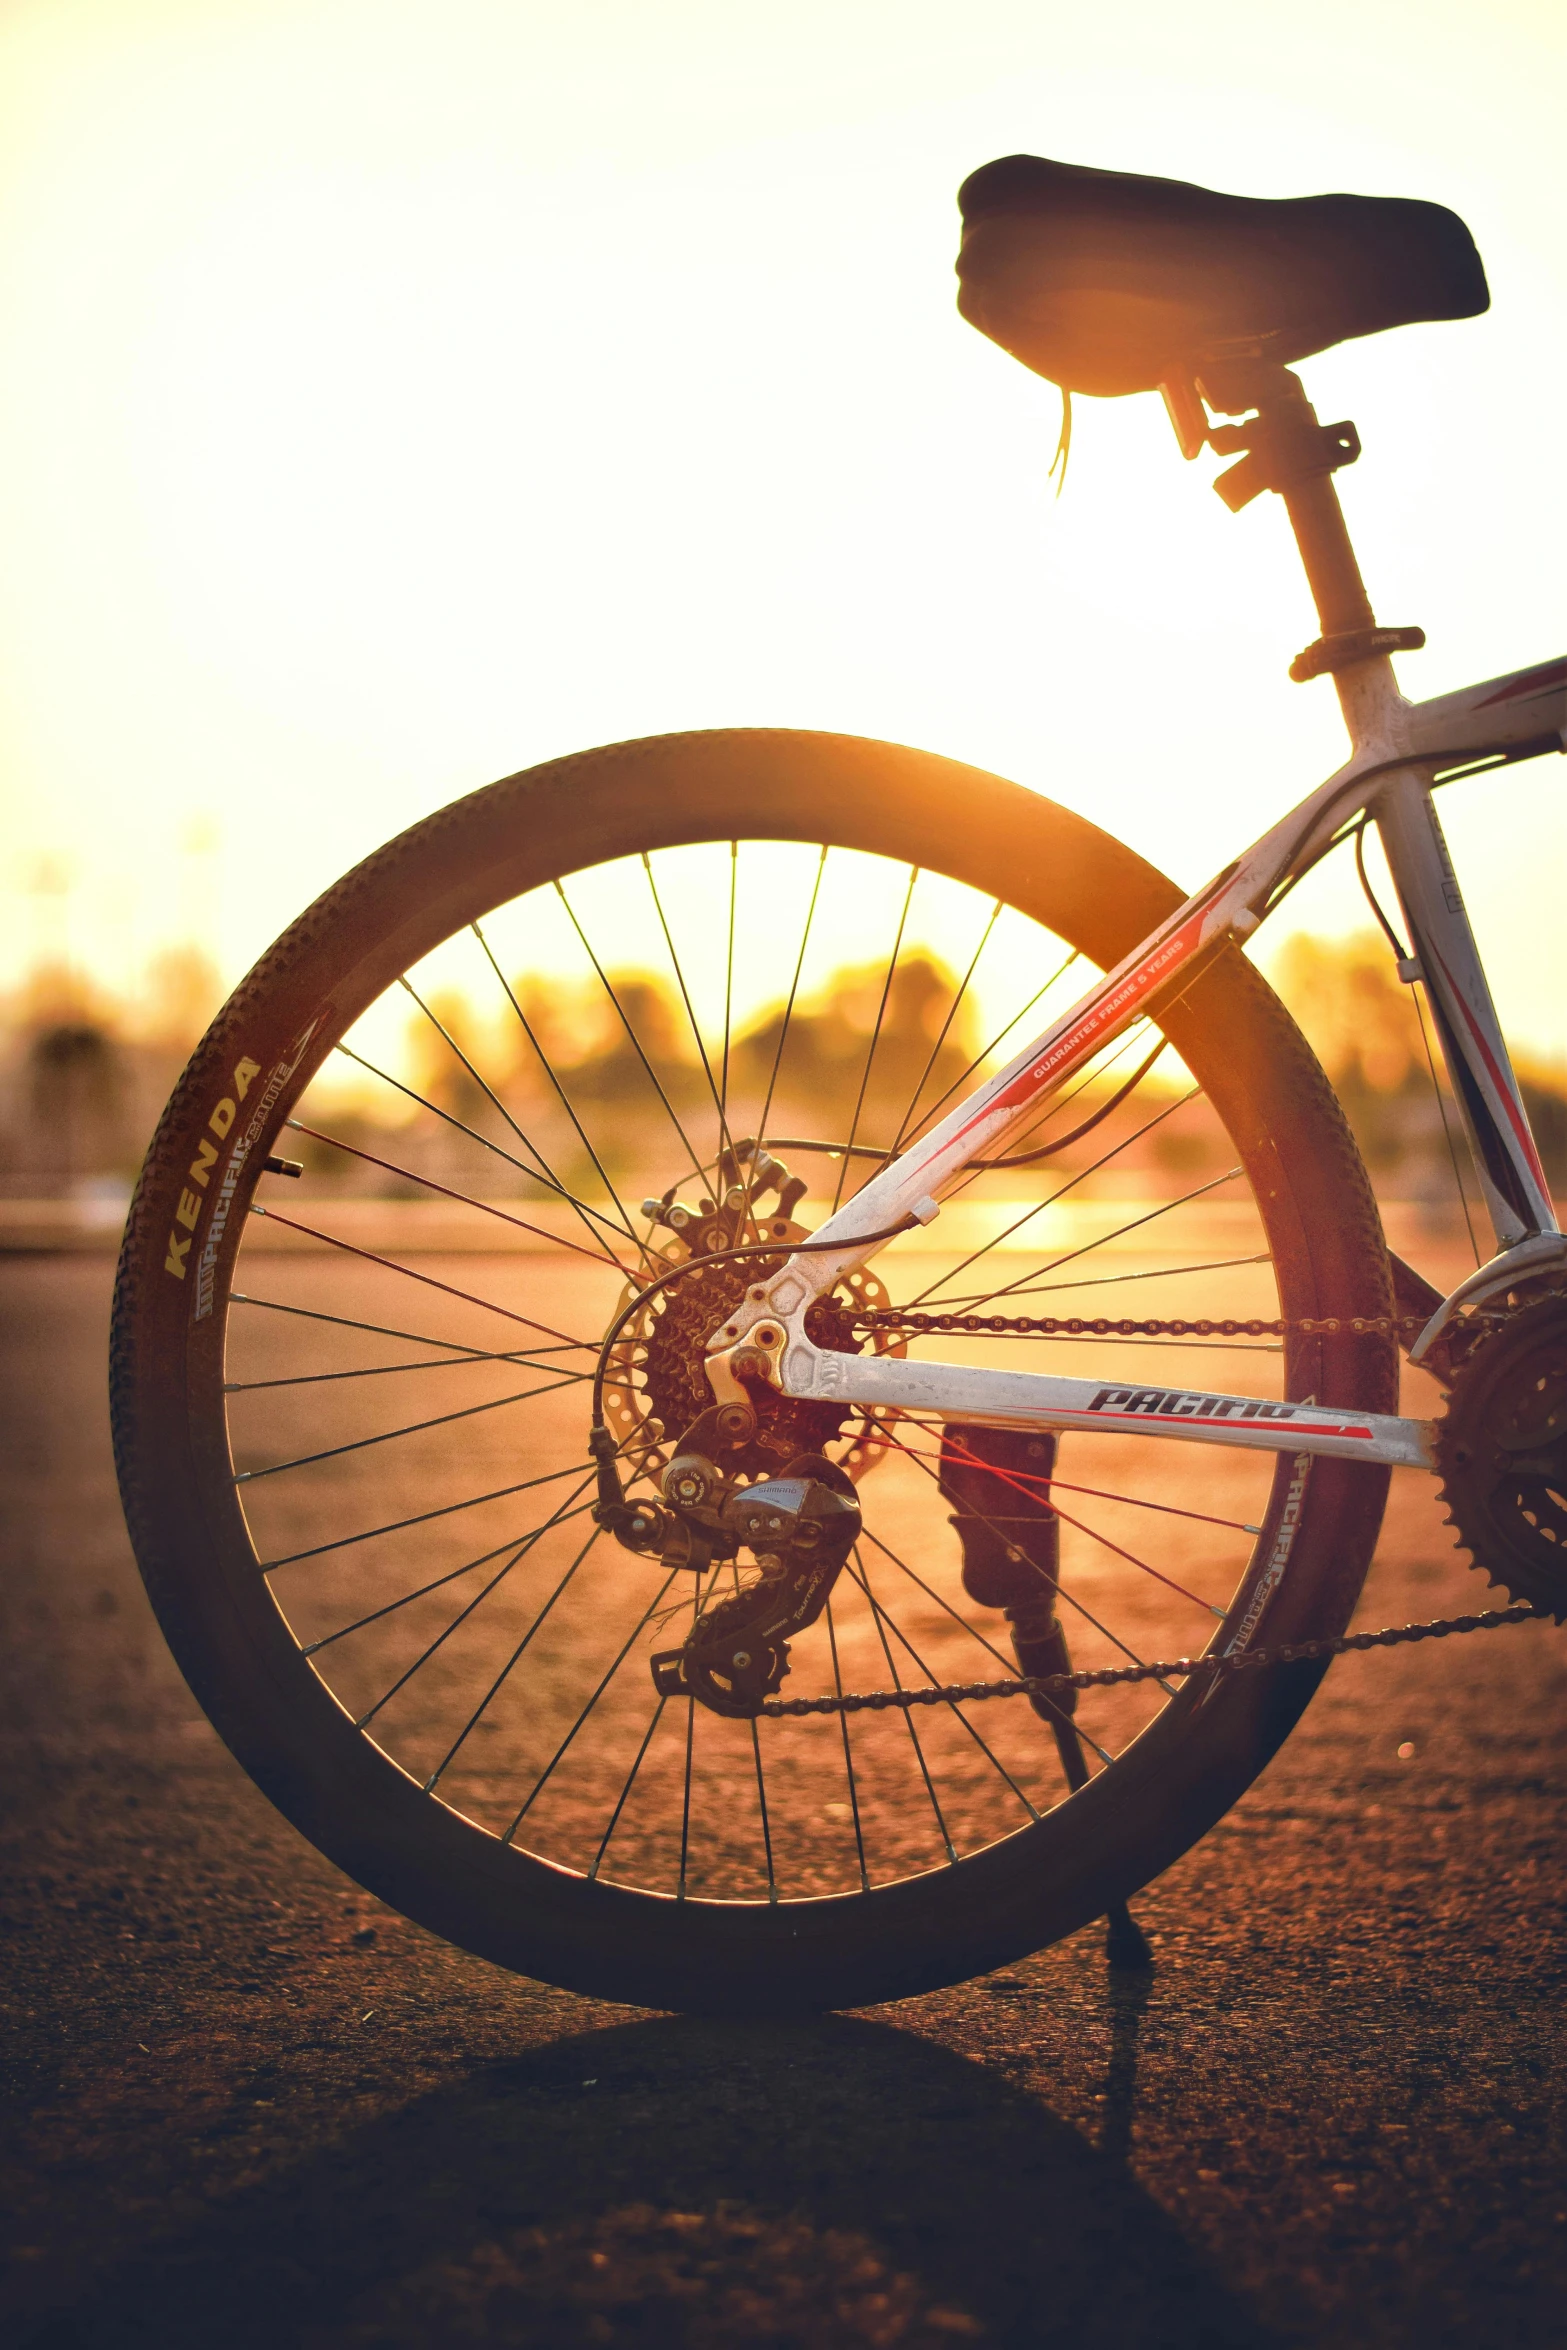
1177,1669
912,1325
1171,1669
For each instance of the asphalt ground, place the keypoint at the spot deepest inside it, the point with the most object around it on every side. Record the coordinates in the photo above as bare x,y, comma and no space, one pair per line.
249,2105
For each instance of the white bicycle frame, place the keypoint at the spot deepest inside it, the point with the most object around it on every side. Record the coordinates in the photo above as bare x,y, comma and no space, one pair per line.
1399,750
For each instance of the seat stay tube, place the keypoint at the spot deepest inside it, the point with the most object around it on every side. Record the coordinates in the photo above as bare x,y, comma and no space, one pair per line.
1397,793
1231,905
771,1320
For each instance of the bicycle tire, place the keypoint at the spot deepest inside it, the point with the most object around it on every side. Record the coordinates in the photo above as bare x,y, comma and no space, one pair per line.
363,1808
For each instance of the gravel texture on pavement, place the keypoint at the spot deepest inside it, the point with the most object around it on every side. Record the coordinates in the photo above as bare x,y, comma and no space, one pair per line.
249,2105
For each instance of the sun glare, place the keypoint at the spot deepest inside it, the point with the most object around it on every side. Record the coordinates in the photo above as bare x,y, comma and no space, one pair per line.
399,396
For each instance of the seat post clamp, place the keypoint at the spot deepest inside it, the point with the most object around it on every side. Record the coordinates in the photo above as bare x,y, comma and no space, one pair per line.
1332,653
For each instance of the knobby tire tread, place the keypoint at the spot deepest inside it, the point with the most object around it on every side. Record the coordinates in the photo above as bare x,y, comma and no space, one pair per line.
922,1932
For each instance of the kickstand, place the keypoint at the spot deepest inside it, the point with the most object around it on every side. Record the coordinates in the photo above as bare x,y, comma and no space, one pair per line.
1013,1562
1126,1945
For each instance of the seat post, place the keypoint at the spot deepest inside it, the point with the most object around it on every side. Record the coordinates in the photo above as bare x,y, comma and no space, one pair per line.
1283,448
1332,571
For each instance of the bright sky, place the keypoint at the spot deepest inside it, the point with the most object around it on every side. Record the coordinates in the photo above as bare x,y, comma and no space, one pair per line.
399,392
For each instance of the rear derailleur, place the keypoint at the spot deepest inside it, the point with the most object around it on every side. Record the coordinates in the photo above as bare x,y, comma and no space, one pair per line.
799,1527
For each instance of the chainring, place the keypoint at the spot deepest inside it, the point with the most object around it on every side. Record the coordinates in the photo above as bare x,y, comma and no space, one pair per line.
1502,1456
657,1379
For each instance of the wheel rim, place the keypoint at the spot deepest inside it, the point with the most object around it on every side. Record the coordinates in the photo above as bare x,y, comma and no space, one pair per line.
463,1641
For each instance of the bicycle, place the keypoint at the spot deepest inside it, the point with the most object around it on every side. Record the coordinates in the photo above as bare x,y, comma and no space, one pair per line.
487,1513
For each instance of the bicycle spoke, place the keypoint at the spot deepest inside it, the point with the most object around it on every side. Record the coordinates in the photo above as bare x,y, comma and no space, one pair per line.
953,1707
729,982
685,998
447,1509
934,1054
562,1097
482,1207
633,1039
1023,1479
390,1265
930,1116
386,1370
685,1806
788,1014
699,1599
1050,1581
1009,1664
412,1337
881,1014
494,1099
465,1612
454,1575
1133,1560
521,1650
1019,1483
919,1752
883,1152
631,1778
761,1797
1135,1224
945,1605
633,1636
1155,1273
848,1755
1040,1206
333,1452
484,1141
1063,1101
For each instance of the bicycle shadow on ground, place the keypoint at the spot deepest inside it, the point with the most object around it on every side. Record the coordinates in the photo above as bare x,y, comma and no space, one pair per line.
687,2183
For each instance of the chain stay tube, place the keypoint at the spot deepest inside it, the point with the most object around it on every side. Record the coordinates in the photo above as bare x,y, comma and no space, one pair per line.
1036,1399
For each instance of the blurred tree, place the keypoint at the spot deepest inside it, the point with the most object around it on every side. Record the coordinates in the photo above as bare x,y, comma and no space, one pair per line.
1362,1023
1359,1017
181,992
437,1066
906,1051
66,1086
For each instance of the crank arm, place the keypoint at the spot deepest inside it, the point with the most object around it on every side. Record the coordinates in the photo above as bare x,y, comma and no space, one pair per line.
1034,1399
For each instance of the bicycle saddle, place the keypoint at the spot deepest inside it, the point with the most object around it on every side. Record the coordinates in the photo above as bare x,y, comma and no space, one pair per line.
1108,282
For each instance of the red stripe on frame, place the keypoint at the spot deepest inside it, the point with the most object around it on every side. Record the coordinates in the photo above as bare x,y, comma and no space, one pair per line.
1504,1090
1532,681
1168,955
1213,1420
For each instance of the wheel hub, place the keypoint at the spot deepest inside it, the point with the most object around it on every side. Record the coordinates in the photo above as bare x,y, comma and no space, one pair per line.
657,1383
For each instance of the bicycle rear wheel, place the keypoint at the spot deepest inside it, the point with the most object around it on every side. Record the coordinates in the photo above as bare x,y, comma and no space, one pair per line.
350,1407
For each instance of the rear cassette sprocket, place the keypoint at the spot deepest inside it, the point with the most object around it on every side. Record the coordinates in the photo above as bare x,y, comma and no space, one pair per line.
657,1380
